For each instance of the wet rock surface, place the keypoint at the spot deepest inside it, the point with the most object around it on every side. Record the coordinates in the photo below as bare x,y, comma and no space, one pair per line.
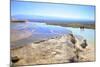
57,50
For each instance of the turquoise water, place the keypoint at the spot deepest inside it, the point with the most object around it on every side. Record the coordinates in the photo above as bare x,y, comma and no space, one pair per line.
88,34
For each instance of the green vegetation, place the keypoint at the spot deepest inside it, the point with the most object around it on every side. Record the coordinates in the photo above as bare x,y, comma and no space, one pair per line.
77,25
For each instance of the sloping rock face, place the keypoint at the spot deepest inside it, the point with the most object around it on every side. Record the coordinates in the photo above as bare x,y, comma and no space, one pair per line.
57,50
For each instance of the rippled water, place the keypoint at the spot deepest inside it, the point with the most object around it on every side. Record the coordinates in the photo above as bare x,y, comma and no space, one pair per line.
41,31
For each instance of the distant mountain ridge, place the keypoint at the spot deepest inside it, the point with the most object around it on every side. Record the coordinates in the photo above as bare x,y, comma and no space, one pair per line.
51,20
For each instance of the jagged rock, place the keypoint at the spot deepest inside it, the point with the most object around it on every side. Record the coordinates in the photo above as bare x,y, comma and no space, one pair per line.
14,59
84,44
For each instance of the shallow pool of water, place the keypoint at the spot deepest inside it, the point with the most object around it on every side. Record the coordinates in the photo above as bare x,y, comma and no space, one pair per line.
41,31
88,34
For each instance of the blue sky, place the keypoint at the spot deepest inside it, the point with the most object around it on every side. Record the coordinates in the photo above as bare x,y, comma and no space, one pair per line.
53,11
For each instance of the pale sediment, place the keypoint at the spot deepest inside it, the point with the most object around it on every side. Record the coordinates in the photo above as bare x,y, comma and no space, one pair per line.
57,50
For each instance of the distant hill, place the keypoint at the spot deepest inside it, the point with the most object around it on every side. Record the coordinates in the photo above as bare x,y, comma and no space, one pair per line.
51,20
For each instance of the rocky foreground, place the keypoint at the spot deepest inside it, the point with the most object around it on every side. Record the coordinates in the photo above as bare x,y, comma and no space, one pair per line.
64,49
